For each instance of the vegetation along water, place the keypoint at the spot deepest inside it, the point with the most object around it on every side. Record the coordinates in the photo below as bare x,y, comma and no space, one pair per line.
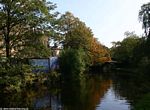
88,75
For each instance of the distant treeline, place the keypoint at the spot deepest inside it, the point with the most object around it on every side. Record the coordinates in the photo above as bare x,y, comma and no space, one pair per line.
134,50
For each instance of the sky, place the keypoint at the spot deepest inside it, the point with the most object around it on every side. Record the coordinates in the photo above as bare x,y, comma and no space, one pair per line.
108,19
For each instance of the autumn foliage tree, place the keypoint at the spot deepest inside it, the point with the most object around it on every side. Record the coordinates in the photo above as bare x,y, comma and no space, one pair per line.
99,52
76,35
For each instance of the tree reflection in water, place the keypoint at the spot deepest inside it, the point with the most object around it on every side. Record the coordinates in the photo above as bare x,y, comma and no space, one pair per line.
84,94
89,92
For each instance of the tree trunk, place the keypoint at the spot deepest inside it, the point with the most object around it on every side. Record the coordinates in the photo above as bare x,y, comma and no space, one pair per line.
148,34
7,41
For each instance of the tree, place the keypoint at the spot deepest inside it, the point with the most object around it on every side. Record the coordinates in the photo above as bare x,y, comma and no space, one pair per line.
124,50
75,33
99,52
23,22
144,16
72,62
143,48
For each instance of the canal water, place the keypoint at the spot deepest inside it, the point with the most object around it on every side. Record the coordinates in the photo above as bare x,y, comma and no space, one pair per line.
112,100
92,92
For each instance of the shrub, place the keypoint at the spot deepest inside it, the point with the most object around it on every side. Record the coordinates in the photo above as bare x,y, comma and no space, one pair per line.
72,62
144,103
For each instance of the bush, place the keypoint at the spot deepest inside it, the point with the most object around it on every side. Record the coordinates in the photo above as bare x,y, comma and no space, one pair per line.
15,77
143,103
72,62
10,77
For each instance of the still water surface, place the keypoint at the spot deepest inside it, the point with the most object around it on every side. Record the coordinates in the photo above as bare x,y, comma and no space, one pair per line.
111,100
93,92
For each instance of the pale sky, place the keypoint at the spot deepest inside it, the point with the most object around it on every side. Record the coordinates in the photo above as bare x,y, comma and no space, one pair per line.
108,19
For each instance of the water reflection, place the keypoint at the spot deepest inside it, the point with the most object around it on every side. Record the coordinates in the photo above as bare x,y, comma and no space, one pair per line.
39,98
135,87
92,92
113,100
86,95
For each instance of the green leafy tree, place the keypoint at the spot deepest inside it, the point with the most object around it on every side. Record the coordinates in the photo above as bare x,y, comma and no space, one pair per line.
144,16
75,33
72,62
23,22
143,48
123,50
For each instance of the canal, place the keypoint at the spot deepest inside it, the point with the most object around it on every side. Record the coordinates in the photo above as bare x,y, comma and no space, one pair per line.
92,92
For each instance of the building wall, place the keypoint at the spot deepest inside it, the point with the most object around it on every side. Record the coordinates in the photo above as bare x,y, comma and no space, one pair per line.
55,52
